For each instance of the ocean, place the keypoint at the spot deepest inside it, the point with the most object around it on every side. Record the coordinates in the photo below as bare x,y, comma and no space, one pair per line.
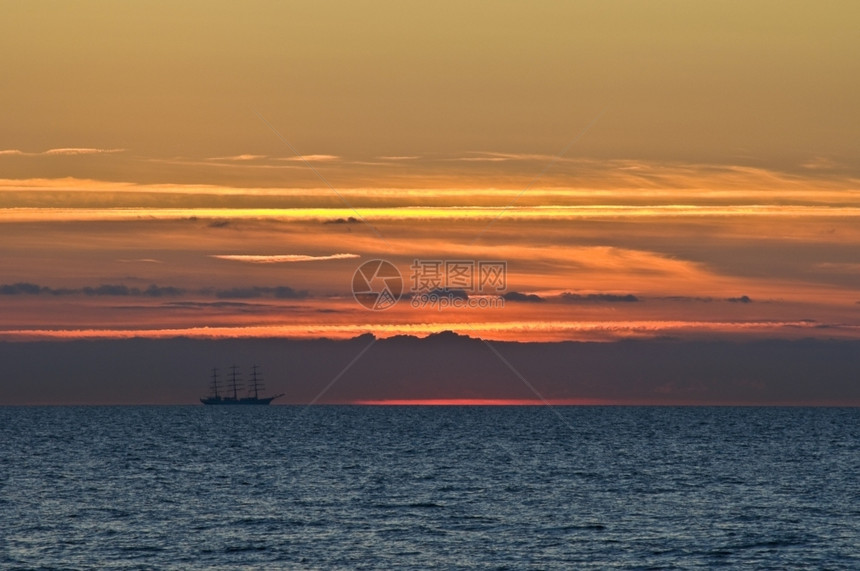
364,487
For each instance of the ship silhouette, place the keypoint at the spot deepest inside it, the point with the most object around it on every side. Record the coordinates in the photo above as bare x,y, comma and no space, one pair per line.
230,395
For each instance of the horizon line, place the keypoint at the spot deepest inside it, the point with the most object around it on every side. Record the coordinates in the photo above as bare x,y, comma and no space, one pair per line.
488,402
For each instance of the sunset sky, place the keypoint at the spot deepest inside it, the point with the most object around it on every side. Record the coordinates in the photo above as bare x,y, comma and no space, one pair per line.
219,170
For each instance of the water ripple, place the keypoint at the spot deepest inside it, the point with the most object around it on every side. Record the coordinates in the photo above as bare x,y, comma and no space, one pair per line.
422,488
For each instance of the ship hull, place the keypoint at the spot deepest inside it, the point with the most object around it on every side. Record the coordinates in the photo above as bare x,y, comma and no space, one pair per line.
230,396
236,402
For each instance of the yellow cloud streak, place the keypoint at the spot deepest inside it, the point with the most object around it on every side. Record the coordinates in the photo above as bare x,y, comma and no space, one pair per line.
681,187
426,213
279,259
65,151
510,330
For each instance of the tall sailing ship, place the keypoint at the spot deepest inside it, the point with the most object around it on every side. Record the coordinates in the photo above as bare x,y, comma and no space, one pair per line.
230,395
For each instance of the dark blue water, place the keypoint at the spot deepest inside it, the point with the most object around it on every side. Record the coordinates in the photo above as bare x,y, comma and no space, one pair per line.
435,487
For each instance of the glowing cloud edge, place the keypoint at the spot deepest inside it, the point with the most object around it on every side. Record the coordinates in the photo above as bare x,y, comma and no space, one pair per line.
280,258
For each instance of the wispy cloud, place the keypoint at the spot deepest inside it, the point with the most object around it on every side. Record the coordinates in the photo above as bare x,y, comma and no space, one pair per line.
312,158
65,151
491,157
81,151
245,157
281,258
820,163
280,292
514,330
139,261
598,297
840,267
519,296
572,180
26,288
227,162
121,290
421,213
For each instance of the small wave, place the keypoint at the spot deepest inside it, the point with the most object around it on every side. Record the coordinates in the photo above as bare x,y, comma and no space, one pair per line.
141,548
425,505
243,548
771,543
408,505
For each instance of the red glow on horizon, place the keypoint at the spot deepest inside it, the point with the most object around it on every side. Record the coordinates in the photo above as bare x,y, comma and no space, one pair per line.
480,402
602,402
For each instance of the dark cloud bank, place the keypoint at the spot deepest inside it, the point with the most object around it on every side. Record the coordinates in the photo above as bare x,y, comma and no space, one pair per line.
120,290
176,371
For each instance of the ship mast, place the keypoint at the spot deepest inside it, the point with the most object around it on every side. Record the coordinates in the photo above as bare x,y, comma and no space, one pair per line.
234,383
214,386
256,382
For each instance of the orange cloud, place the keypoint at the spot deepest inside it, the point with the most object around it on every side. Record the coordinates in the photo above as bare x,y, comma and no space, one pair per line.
435,213
312,158
280,259
65,151
245,157
511,330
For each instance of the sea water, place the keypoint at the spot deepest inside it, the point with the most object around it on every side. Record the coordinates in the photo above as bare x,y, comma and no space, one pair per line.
341,487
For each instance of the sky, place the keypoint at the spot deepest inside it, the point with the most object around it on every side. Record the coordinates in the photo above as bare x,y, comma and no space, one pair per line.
220,171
